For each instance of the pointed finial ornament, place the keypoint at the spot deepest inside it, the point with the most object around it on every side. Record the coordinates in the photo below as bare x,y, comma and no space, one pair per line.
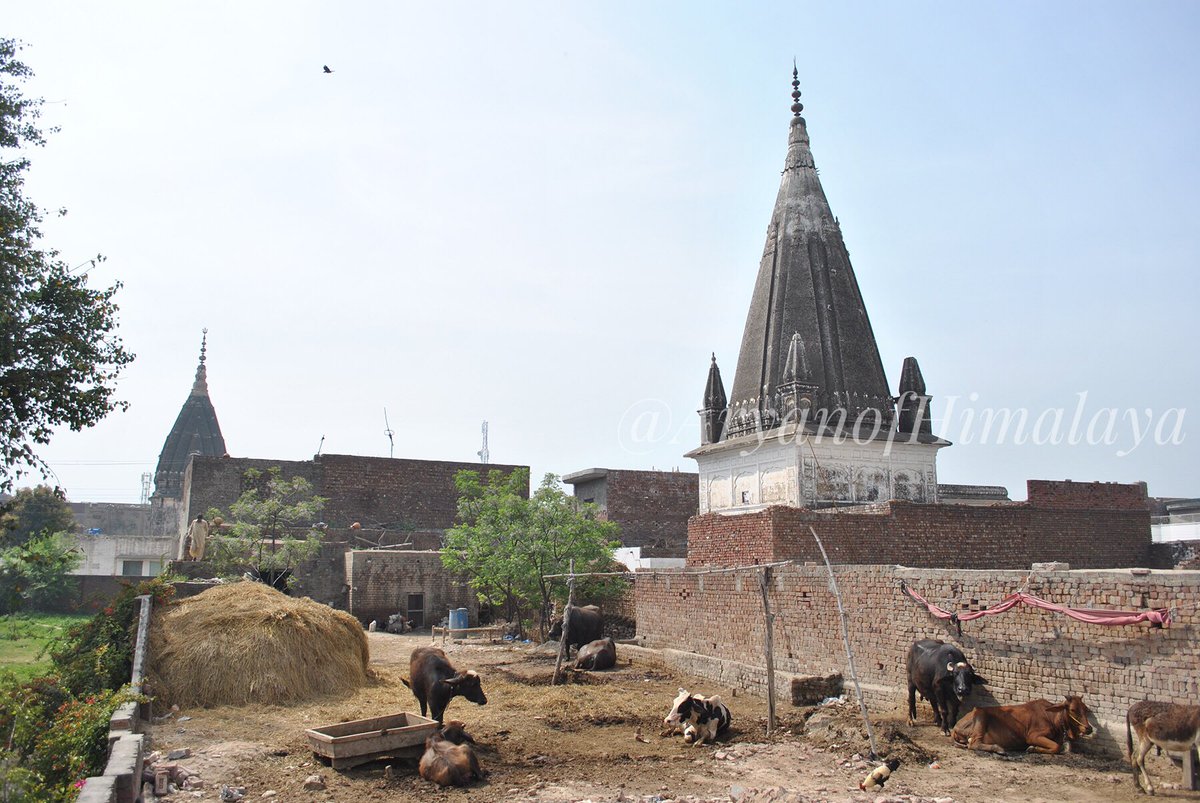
200,386
797,106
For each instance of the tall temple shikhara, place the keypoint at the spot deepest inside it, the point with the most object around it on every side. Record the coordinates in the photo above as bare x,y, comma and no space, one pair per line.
196,432
811,421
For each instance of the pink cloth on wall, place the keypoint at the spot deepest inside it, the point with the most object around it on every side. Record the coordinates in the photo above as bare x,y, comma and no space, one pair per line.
1158,617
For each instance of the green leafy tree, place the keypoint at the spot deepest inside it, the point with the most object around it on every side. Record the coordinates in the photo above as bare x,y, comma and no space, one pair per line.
262,525
506,543
37,573
35,511
59,354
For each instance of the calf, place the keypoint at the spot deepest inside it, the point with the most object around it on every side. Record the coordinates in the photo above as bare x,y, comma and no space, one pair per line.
1038,726
586,625
1171,726
398,623
598,654
941,673
700,719
449,759
434,682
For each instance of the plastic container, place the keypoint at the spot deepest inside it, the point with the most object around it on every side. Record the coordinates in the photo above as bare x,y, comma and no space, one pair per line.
458,618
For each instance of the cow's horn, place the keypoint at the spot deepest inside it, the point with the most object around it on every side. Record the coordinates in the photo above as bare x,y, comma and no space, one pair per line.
950,667
960,665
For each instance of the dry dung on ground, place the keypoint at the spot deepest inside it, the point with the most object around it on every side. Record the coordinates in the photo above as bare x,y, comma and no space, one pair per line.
248,643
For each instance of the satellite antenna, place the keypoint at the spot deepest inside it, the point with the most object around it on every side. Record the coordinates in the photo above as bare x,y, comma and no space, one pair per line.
387,430
483,453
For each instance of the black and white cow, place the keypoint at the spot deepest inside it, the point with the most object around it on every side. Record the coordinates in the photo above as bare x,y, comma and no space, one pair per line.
943,676
699,719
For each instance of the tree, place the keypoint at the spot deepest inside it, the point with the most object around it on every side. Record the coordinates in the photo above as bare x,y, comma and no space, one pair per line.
34,511
59,354
507,543
36,573
261,523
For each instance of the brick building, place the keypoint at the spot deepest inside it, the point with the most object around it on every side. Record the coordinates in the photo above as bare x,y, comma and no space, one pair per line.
652,507
388,563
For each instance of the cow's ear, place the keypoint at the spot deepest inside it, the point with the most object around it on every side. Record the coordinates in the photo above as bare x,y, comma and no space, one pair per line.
979,680
454,681
1058,707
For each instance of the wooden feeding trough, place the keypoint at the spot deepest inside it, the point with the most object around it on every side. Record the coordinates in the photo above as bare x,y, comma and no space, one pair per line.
348,744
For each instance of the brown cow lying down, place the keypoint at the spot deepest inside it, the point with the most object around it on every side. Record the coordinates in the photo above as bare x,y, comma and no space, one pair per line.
1173,727
449,759
1038,726
598,654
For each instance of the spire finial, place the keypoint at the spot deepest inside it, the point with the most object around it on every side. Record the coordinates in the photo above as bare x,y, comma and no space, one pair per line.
200,386
797,106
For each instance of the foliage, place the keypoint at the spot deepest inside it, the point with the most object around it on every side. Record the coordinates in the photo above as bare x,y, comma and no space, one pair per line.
34,511
37,573
507,543
261,522
59,354
98,654
55,739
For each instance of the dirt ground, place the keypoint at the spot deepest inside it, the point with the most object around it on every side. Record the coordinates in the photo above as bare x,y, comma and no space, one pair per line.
597,738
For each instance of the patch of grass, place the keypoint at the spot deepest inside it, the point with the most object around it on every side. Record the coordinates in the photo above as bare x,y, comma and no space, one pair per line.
24,637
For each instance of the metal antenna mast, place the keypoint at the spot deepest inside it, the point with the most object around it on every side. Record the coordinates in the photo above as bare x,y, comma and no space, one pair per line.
483,453
146,487
387,430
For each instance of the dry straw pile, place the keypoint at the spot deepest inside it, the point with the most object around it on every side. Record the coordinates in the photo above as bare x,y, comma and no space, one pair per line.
248,643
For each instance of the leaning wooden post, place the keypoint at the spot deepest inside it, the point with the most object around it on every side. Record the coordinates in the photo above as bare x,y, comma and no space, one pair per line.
764,580
562,642
837,595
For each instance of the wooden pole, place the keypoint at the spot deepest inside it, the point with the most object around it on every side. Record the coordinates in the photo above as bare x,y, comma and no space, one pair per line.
837,595
764,581
566,628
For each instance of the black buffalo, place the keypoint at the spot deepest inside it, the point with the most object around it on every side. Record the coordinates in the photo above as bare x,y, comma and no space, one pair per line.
434,682
586,625
943,676
598,654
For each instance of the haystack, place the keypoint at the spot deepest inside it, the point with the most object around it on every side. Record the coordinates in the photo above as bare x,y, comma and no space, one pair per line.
248,643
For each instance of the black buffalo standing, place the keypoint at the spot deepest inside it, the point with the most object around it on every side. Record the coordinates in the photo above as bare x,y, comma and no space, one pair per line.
434,682
586,625
941,673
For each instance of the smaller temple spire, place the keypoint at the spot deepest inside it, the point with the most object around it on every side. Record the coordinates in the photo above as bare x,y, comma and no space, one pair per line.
712,416
200,386
797,106
914,414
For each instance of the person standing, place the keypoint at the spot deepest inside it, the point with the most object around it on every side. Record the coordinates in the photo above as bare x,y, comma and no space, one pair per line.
197,534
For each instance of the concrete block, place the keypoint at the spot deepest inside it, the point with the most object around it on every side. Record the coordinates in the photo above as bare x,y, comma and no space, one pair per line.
101,789
812,689
125,766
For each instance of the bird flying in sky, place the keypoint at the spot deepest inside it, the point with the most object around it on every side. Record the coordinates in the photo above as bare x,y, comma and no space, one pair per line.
325,68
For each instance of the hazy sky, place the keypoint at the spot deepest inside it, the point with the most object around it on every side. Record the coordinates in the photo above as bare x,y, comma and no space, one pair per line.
548,215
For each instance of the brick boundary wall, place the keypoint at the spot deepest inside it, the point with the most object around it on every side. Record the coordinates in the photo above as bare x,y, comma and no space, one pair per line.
1024,654
1088,525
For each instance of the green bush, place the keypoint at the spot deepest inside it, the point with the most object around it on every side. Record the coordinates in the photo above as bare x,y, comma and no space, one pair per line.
98,655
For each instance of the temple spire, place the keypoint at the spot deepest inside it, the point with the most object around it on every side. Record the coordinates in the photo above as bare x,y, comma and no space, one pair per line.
712,416
196,432
807,296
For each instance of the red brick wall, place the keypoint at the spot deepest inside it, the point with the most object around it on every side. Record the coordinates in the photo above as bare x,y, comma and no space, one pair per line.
950,536
378,492
653,508
1024,654
1086,495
